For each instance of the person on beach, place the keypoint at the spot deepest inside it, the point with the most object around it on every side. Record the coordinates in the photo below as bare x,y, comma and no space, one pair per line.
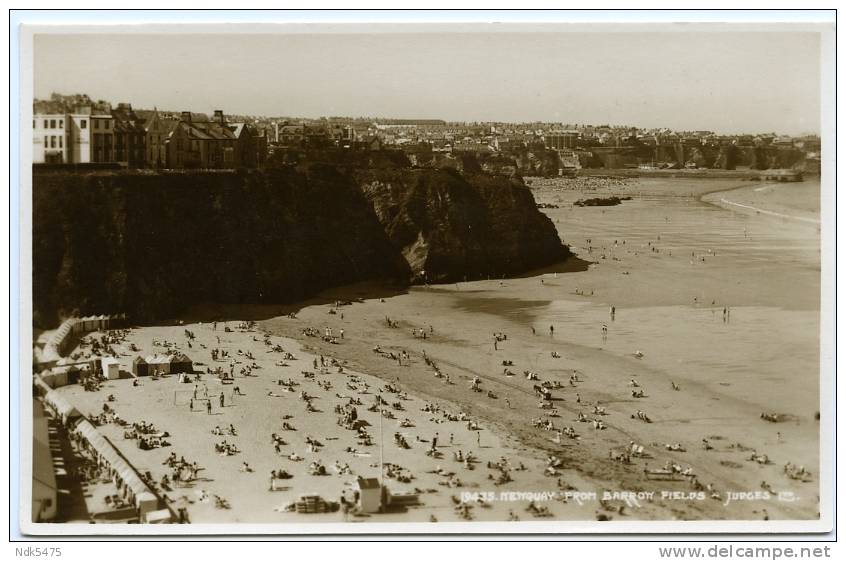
551,330
221,400
208,407
191,403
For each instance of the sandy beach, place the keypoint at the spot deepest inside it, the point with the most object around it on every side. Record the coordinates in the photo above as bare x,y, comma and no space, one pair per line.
715,321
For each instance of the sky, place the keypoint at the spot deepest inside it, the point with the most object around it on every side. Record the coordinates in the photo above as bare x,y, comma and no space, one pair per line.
727,82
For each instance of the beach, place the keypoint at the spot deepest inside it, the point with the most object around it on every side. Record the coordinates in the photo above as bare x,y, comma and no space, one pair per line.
715,321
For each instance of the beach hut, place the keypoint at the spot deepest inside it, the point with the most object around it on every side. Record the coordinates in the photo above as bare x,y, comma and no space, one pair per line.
111,367
63,409
60,376
40,383
158,363
180,363
47,379
161,516
369,494
140,367
61,337
90,323
76,373
123,473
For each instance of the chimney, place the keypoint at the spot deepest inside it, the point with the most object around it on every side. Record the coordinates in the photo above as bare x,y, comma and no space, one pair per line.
218,116
186,116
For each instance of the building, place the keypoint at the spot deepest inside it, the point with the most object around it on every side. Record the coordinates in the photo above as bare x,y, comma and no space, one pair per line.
102,138
79,137
129,137
250,145
201,144
157,129
290,135
50,138
561,140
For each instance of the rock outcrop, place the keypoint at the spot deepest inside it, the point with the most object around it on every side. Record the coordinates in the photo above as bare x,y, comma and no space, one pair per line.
152,244
452,226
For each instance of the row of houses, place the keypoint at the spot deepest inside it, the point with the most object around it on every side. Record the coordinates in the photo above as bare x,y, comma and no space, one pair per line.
144,139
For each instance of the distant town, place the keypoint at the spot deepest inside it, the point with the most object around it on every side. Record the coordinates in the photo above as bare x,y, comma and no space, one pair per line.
74,129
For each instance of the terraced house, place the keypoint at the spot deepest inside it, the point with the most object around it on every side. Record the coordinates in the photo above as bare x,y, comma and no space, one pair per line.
200,143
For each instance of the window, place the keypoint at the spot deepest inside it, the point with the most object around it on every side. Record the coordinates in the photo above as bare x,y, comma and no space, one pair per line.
52,123
45,123
61,124
106,125
52,142
96,123
60,142
83,123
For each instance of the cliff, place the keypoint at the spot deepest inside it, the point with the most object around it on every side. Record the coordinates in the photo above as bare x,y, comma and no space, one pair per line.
452,226
720,157
153,244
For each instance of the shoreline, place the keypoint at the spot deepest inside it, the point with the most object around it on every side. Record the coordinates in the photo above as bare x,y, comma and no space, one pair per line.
711,198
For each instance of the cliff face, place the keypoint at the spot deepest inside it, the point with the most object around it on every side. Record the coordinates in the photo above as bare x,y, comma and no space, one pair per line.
153,244
722,157
451,226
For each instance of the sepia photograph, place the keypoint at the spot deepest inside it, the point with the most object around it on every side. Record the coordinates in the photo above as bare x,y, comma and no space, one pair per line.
426,278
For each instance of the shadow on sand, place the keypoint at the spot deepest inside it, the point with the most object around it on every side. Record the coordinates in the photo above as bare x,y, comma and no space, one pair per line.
366,290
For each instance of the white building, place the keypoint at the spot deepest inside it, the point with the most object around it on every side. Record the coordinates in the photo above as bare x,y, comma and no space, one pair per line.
49,139
73,138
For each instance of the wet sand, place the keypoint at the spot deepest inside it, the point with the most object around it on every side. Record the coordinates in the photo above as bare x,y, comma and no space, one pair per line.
763,357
